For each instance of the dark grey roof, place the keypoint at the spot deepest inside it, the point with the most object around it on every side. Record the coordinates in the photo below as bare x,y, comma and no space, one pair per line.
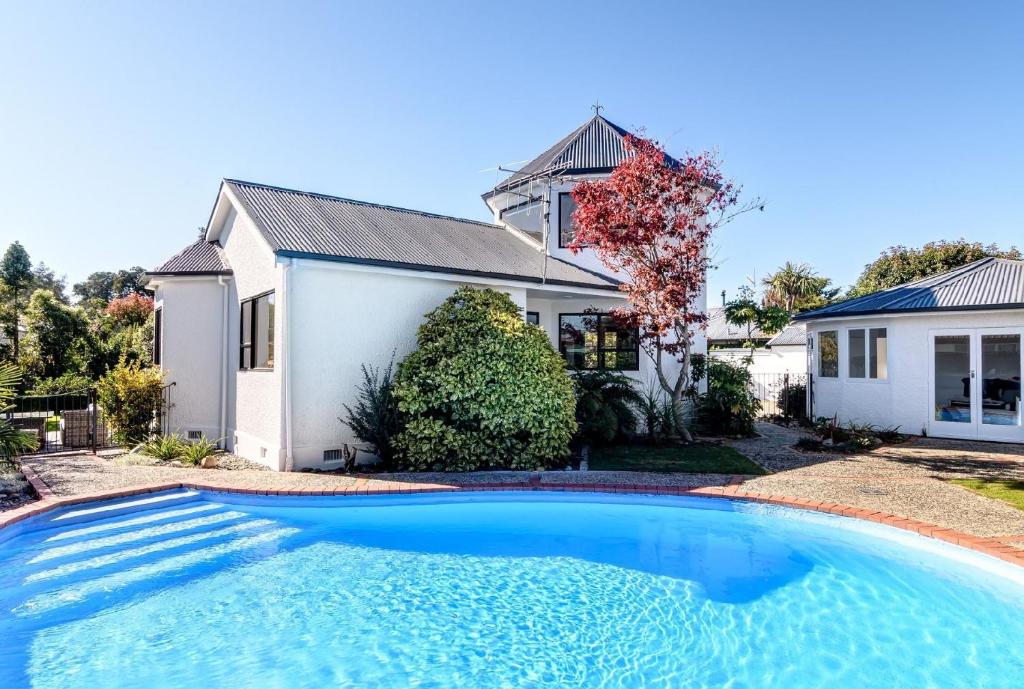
794,334
991,283
306,225
199,258
595,146
721,330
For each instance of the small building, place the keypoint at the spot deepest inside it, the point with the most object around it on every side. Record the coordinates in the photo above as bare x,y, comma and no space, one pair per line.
939,356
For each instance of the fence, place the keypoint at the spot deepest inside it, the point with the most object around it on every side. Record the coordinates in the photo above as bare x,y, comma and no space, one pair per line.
781,394
69,421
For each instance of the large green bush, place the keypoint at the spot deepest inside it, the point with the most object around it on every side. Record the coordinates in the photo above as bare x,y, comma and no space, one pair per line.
729,406
483,390
131,396
605,403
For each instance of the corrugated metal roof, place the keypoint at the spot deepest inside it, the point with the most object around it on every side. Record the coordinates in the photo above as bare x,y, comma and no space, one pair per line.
199,258
308,225
721,330
991,283
596,145
794,334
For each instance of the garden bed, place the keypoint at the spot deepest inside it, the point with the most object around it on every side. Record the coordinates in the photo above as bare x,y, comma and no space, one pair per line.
700,458
225,461
15,490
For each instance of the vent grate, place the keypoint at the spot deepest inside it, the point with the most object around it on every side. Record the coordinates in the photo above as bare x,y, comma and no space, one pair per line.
333,455
195,435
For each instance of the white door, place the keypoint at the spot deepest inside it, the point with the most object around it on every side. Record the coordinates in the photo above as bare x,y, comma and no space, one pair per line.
975,383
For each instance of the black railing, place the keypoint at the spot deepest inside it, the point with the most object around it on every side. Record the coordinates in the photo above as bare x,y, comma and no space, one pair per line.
69,421
781,394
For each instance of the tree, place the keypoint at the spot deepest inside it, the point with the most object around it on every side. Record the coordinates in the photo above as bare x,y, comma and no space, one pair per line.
43,277
650,222
57,336
744,311
16,275
899,264
483,390
105,286
12,440
796,287
132,309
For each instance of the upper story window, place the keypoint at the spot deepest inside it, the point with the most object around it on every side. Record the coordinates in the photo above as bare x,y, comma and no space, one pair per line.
256,334
868,353
596,341
527,216
566,206
828,354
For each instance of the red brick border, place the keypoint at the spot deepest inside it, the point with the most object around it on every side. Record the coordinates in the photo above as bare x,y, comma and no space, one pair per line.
994,546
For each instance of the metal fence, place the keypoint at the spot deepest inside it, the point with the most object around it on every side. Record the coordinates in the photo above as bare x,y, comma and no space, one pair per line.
780,394
69,421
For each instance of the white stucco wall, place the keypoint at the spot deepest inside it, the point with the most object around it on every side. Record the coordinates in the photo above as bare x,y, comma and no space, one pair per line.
904,398
780,359
191,309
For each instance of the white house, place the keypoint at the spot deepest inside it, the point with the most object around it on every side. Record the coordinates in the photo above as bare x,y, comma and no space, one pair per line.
263,323
940,356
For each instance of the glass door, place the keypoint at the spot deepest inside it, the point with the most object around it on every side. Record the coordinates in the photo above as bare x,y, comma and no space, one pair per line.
999,385
952,386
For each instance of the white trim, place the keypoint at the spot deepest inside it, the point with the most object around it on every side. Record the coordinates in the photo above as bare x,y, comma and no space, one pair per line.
821,322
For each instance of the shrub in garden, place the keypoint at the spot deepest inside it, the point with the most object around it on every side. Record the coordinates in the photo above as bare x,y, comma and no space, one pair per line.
604,406
164,447
197,450
64,384
13,441
729,406
483,390
375,419
792,400
131,395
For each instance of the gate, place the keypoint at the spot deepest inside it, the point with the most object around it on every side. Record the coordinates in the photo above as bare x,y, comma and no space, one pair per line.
69,421
780,394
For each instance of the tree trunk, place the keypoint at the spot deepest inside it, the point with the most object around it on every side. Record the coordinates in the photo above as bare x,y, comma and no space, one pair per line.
15,338
679,414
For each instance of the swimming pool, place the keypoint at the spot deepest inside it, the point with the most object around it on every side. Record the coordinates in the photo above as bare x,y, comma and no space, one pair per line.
186,589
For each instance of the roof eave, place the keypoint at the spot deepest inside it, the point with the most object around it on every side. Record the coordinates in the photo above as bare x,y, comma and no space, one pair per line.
811,316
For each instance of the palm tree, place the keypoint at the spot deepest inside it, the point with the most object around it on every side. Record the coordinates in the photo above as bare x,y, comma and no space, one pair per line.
12,441
790,284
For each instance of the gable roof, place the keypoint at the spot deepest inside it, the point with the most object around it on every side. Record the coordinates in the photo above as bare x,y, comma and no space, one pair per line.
597,145
720,330
793,335
199,258
302,224
991,283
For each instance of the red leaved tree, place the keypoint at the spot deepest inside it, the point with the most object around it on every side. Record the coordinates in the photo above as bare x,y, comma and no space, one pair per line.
650,221
131,310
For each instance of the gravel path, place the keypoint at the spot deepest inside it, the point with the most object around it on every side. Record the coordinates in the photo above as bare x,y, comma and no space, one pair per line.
905,480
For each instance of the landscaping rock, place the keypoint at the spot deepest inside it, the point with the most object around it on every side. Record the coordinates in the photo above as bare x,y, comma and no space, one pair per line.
209,462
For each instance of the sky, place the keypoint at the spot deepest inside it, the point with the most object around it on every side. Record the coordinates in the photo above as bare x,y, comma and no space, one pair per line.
862,125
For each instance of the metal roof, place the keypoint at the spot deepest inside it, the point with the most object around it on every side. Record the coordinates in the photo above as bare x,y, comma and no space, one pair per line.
307,225
199,258
991,283
794,334
595,146
720,330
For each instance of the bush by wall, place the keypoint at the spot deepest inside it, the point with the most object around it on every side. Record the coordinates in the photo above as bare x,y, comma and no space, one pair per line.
131,395
729,407
483,390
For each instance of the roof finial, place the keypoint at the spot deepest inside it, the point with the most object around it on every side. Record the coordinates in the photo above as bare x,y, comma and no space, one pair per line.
597,107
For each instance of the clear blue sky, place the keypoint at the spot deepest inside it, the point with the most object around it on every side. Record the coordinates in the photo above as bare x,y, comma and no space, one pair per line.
863,125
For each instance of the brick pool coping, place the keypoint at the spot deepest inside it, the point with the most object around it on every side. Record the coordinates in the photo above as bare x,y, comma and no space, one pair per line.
993,546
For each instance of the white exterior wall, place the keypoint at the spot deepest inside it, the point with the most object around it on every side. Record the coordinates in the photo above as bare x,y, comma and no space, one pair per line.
254,423
342,317
904,398
191,319
779,359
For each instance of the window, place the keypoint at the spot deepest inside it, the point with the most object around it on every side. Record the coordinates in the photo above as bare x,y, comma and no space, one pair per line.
256,333
533,317
828,354
596,341
527,216
158,334
566,206
868,356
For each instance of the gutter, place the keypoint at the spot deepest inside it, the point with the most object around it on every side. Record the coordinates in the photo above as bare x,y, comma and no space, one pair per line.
286,360
224,363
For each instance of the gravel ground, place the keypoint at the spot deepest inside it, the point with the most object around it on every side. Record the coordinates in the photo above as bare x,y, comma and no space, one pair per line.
225,461
908,479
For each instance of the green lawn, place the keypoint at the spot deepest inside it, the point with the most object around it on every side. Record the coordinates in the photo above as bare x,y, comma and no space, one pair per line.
1007,491
690,459
53,424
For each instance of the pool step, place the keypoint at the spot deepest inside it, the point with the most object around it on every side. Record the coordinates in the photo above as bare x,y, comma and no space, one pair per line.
114,508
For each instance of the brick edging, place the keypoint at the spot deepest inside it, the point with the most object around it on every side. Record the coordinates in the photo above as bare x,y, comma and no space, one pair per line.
996,546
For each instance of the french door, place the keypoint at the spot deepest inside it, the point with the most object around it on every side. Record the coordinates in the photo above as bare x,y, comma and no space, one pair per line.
975,383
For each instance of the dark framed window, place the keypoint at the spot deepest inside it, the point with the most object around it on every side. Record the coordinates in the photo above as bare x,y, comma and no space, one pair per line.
158,334
256,333
533,317
595,341
566,206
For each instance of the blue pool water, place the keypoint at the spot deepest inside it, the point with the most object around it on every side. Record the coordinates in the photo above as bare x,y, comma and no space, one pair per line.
496,590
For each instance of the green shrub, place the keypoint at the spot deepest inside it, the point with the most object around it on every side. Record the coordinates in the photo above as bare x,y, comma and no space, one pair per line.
67,383
810,444
604,406
197,450
729,406
483,390
792,400
12,440
131,396
375,419
164,447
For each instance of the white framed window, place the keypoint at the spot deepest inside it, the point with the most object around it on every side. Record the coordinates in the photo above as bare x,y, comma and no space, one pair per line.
867,353
828,354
